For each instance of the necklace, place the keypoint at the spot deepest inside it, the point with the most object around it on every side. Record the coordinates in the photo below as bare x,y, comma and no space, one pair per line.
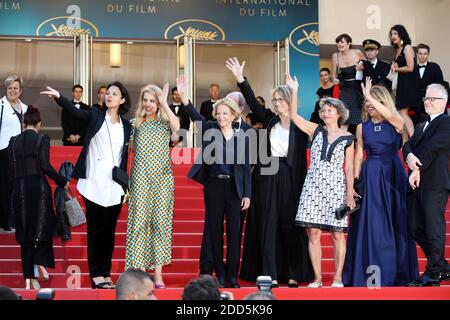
377,127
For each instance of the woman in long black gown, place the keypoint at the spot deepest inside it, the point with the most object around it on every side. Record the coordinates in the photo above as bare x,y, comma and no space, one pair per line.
32,205
273,245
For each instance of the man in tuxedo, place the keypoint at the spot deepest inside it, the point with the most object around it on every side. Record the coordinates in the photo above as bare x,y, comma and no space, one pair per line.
428,73
185,122
376,69
206,108
74,129
427,155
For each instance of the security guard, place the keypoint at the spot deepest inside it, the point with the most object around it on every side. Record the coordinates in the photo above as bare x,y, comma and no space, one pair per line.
374,68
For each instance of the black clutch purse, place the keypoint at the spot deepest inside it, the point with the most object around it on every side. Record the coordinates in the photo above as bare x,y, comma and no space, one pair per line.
344,210
121,177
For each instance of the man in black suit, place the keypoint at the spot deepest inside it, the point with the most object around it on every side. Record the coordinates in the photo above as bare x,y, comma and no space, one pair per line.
74,129
206,108
376,69
427,155
428,73
179,111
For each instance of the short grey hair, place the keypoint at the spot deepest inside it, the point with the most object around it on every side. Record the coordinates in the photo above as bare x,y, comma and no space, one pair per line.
11,79
338,105
439,87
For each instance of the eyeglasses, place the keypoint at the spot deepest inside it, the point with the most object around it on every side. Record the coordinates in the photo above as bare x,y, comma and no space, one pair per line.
432,99
277,100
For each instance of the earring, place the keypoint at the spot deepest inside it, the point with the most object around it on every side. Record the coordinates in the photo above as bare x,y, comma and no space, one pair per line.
401,43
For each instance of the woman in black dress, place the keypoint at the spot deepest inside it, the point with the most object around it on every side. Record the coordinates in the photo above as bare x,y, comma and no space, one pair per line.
29,164
325,91
408,85
346,64
273,245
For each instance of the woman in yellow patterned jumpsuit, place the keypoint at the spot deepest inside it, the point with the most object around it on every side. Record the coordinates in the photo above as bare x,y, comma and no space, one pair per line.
151,197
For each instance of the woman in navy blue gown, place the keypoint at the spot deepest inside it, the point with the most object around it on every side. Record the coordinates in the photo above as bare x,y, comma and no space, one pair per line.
378,234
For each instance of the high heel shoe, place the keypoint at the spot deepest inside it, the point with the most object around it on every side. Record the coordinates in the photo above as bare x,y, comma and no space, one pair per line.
32,283
315,284
41,273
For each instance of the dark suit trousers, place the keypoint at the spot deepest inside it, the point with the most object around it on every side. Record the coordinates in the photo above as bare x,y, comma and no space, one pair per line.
221,199
427,225
101,232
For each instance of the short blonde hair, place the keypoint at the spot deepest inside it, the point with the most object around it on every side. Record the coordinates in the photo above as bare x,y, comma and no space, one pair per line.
140,112
382,95
11,79
338,105
234,107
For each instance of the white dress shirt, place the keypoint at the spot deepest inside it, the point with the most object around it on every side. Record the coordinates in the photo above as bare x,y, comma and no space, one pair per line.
374,63
99,187
11,125
279,141
432,117
422,70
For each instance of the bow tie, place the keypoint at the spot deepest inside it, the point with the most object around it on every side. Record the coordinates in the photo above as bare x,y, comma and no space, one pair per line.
428,118
236,125
422,66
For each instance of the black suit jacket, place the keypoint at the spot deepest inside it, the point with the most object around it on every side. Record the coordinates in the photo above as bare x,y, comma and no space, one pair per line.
432,74
206,110
378,74
182,115
242,169
298,142
432,147
93,118
73,125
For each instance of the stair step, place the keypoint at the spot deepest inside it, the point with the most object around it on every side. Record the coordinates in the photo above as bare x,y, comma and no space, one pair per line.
178,252
179,239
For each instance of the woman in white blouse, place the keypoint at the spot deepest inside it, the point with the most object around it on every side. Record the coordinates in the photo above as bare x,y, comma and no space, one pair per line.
106,146
273,245
11,119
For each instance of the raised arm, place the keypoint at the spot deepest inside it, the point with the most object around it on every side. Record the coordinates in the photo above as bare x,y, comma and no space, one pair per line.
193,114
262,114
394,118
174,122
304,125
62,101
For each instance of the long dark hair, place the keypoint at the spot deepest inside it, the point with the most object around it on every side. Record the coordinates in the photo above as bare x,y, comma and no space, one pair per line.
124,107
402,33
32,117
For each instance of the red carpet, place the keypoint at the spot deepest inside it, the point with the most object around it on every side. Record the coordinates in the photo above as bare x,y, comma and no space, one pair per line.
71,256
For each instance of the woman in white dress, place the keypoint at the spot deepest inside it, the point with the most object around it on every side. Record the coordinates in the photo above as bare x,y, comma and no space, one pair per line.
326,187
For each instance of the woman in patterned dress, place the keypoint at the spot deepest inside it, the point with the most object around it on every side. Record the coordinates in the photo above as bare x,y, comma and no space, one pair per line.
326,186
150,216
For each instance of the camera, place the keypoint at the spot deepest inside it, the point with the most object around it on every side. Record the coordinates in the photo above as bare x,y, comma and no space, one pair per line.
264,283
224,296
45,294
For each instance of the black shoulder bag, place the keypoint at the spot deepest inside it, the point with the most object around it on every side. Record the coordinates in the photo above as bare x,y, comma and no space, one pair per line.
118,174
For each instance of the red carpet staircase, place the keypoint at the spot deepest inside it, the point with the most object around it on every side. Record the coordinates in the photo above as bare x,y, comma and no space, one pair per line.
71,256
